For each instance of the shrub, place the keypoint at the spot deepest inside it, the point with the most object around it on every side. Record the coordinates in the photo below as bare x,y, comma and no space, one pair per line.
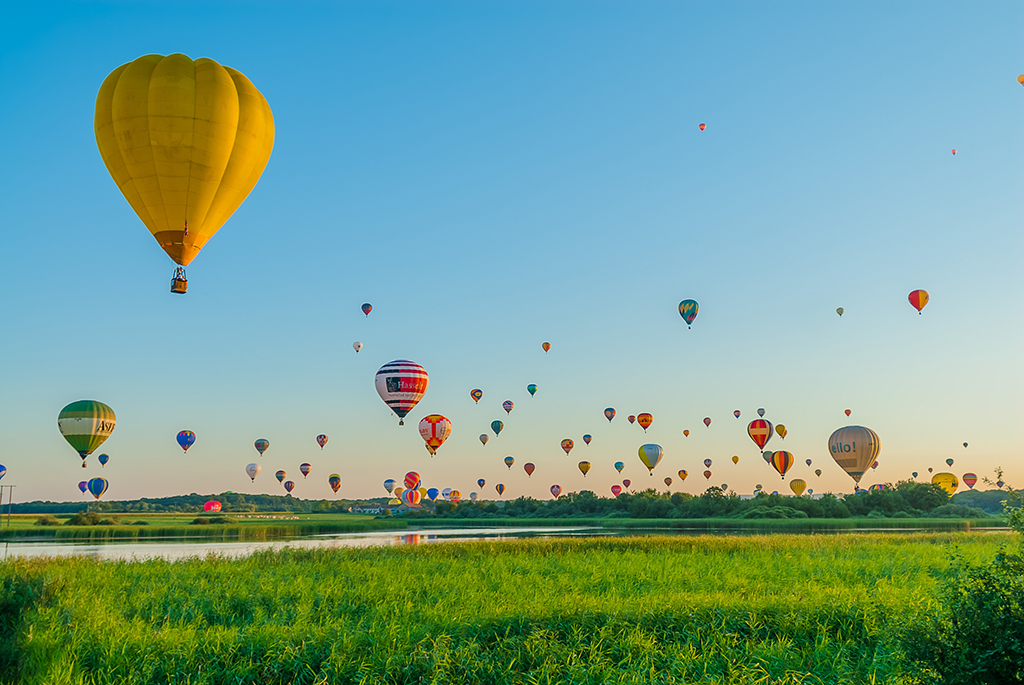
108,522
956,511
978,636
83,519
774,513
140,523
200,521
222,520
47,520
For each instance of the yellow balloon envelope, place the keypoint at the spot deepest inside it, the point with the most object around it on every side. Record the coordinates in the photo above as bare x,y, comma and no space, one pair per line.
650,455
946,481
798,486
185,141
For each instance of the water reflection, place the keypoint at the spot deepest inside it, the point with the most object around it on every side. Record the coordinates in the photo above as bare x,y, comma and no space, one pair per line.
172,550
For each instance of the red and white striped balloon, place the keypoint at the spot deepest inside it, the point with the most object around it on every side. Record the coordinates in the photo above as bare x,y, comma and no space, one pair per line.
401,384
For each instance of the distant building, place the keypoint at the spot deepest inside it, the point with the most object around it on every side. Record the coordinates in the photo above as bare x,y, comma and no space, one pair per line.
374,509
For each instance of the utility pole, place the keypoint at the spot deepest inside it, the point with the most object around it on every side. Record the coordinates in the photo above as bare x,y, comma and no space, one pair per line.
10,500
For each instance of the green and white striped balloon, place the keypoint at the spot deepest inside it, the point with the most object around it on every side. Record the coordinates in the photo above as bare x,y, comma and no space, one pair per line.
86,424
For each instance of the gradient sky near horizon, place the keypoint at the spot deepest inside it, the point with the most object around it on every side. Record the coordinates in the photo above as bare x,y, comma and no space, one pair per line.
494,175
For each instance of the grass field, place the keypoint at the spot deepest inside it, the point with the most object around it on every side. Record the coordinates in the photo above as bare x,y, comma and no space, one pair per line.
720,524
257,527
762,609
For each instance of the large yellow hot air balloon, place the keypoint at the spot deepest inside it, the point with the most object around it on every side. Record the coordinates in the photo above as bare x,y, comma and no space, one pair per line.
946,481
185,141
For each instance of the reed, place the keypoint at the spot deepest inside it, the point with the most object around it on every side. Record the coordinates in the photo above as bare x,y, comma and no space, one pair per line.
662,609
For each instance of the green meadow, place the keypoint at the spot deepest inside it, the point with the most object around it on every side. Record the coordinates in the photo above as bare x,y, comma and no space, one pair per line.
262,526
703,609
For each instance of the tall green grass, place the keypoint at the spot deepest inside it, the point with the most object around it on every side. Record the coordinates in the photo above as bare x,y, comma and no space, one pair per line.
722,524
761,609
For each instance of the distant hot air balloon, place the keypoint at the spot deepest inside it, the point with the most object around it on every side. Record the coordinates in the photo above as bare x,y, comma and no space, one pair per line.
668,480
584,467
707,463
782,461
735,459
737,413
918,299
401,384
949,462
253,470
103,459
686,433
946,481
398,491
645,420
357,346
567,445
854,449
631,418
507,406
454,496
965,445
411,480
484,438
411,498
707,422
781,430
185,141
616,490
808,462
86,424
760,412
335,481
321,440
587,438
760,431
619,466
97,486
954,151
702,126
481,482
545,346
914,474
767,456
839,311
929,469
280,475
970,479
529,468
626,483
305,469
509,461
367,308
389,485
500,489
688,310
817,472
683,474
532,389
83,486
261,445
1020,79
847,412
707,475
1000,484
877,487
213,505
651,456
186,439
435,429
875,465
432,494
476,394
609,414
496,426
556,490
798,486
289,486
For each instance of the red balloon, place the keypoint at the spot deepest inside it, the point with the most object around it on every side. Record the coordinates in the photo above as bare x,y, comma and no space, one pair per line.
529,468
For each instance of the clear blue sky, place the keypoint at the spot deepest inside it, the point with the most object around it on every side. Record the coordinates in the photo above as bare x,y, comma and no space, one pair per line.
494,175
